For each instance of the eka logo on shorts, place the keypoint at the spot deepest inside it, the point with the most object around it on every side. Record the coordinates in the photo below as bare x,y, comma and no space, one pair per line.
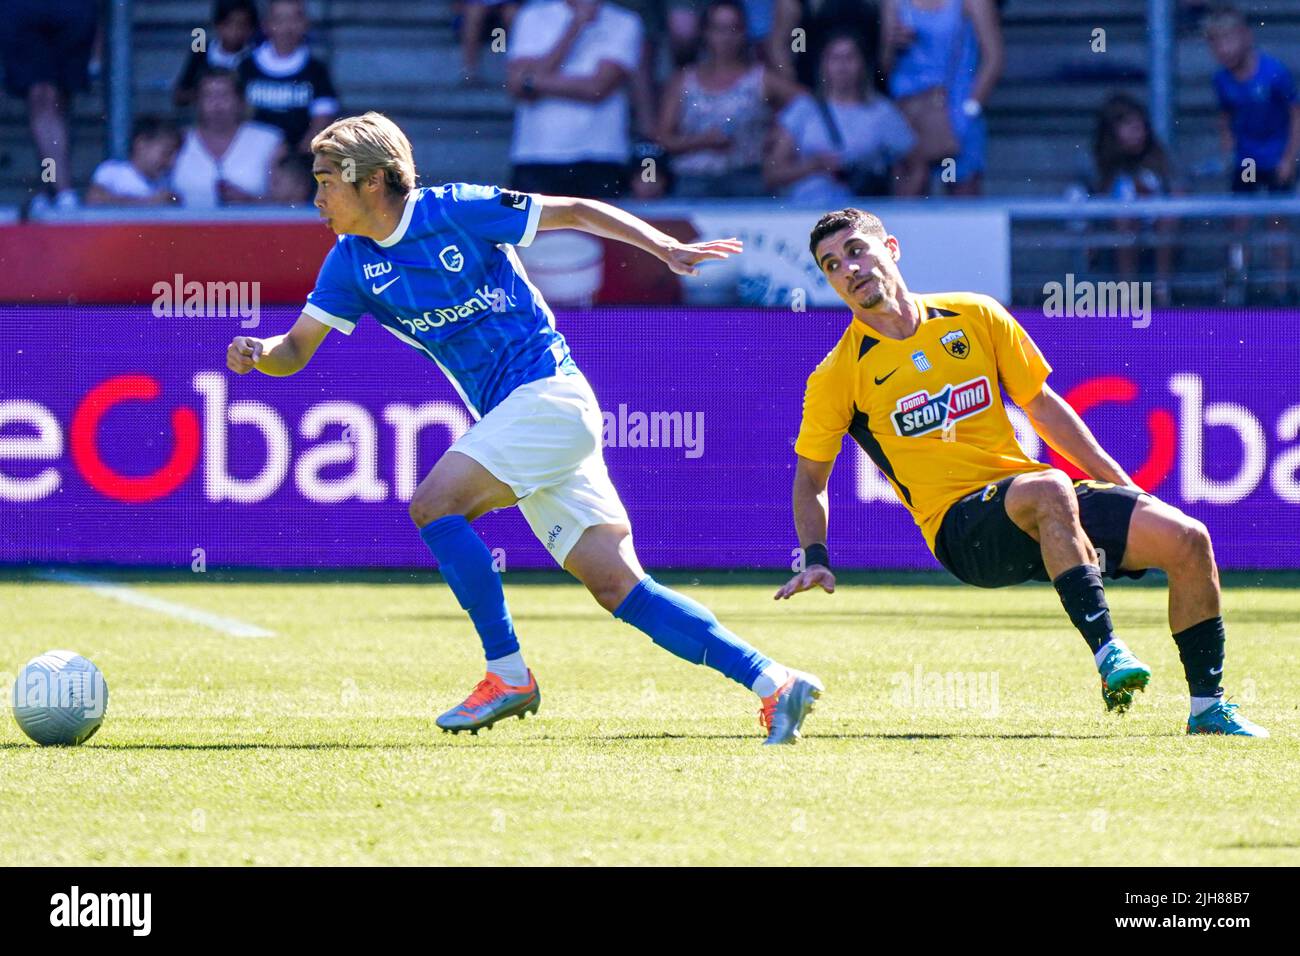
922,412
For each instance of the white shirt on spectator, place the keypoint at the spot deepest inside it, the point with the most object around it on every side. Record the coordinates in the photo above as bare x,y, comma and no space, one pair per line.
123,180
246,165
875,132
557,130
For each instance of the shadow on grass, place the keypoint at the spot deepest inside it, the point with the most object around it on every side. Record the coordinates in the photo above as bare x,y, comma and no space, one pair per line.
220,746
899,736
1242,845
439,741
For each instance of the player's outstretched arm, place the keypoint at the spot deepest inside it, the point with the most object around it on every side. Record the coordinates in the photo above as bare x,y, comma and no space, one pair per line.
279,355
1061,427
811,516
602,219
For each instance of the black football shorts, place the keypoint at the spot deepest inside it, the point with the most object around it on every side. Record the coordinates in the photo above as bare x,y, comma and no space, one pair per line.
980,544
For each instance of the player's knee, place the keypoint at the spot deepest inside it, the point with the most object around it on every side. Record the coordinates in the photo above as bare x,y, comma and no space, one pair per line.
1053,495
610,586
1193,545
425,508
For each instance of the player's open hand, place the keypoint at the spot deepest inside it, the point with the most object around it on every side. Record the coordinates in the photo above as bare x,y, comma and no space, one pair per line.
243,354
683,257
816,576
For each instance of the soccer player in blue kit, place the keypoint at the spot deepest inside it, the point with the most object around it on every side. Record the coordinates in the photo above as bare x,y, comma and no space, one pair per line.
436,267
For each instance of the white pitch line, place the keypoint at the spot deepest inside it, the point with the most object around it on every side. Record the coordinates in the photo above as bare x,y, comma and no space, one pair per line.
127,595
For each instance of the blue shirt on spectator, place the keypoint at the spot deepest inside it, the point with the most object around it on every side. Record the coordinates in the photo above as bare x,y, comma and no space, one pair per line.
1259,110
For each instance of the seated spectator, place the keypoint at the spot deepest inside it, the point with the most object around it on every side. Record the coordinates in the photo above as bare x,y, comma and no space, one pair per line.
144,179
287,87
845,141
226,45
45,47
1131,164
818,21
474,17
943,59
570,64
716,114
292,183
225,159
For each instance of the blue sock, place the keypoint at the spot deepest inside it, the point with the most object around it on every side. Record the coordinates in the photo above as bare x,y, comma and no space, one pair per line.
689,630
466,563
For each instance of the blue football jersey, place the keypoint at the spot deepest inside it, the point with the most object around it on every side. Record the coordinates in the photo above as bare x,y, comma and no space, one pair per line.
449,283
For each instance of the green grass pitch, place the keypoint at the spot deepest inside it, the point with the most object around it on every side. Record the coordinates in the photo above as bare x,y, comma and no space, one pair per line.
317,745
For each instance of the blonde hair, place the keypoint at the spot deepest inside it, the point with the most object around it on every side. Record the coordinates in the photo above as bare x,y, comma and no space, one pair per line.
371,143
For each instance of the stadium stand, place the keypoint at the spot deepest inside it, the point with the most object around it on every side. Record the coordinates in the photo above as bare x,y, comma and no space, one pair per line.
1041,114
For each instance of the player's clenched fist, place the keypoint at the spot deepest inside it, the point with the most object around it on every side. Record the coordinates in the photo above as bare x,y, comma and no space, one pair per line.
243,354
816,576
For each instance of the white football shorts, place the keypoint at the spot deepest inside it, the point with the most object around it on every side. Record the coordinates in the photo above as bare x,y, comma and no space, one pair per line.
544,441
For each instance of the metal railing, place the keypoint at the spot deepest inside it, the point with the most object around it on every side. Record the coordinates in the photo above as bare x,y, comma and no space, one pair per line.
1217,250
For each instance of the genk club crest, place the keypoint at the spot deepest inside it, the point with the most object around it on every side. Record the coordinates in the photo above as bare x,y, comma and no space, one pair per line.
452,259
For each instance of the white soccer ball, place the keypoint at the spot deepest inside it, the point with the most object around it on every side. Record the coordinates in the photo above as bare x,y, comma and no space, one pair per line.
60,698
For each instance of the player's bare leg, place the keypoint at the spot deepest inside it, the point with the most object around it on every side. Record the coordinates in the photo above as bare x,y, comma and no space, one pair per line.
605,561
453,494
1044,506
458,485
1161,536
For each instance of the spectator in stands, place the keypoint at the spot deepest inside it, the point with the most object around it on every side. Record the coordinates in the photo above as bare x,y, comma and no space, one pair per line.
844,141
225,159
234,22
475,15
715,115
943,58
569,66
292,183
144,179
1131,164
798,55
287,87
1260,113
1259,124
45,47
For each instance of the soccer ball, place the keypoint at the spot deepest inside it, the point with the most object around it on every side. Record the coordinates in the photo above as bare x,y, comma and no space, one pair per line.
60,698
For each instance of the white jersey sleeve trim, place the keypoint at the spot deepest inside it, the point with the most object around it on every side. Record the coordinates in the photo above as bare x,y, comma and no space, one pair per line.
333,321
534,217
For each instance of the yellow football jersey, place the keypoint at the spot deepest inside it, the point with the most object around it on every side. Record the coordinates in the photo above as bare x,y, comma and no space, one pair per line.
928,409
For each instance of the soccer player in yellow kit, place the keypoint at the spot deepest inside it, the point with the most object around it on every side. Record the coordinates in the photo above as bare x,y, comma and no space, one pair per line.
918,382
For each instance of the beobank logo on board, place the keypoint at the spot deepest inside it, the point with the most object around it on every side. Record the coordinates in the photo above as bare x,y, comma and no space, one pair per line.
1176,433
202,423
37,449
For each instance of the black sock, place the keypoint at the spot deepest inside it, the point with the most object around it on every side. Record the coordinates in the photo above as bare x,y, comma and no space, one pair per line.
1201,648
1084,599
